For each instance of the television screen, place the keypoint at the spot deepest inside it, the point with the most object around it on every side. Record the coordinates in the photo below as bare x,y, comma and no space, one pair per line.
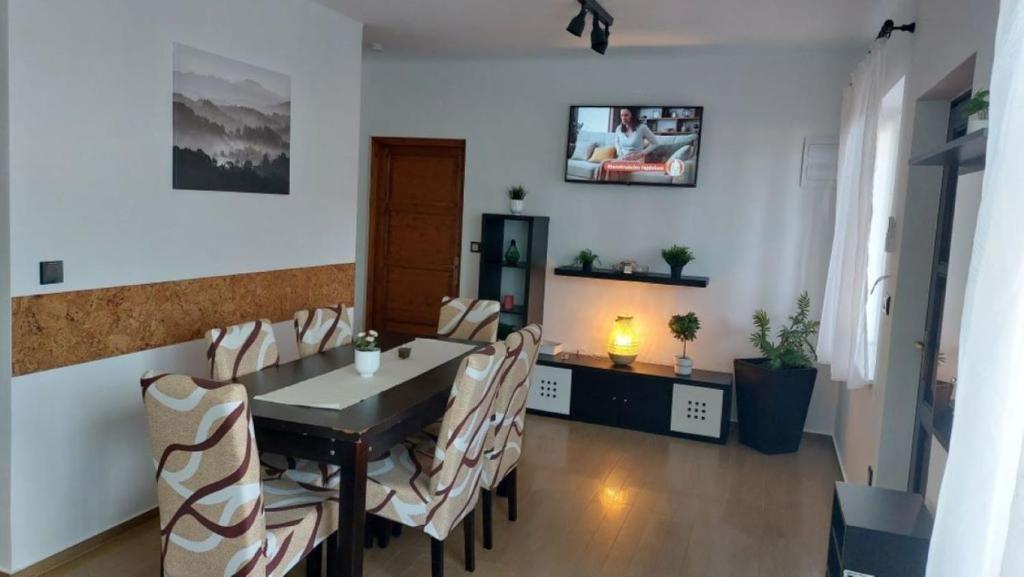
648,145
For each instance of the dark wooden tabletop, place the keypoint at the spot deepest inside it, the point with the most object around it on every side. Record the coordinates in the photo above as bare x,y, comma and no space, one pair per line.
423,395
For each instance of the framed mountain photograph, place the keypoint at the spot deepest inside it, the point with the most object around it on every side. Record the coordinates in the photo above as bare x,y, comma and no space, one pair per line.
232,124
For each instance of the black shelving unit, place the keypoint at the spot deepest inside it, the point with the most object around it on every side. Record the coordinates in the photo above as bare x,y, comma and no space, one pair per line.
647,277
957,157
523,280
878,532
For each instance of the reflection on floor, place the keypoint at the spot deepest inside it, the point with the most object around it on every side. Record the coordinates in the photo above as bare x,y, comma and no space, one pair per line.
596,501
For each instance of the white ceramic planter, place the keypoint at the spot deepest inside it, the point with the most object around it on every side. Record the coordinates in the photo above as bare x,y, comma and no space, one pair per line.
516,206
367,362
684,365
975,124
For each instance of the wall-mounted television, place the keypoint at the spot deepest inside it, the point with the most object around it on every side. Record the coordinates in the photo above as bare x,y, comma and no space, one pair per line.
644,145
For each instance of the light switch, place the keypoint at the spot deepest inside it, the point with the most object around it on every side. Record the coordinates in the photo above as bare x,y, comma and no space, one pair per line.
51,272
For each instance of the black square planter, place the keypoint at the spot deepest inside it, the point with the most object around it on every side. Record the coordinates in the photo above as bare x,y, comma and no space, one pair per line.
772,405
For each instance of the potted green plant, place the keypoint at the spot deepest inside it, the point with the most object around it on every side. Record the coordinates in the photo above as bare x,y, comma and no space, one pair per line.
516,196
677,257
976,110
773,392
586,259
684,328
367,353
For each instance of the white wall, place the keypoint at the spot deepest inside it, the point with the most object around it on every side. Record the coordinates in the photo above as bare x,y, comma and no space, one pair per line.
874,425
92,128
5,311
758,235
91,184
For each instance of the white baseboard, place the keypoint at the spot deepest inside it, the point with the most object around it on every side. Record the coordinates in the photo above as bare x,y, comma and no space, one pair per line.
839,459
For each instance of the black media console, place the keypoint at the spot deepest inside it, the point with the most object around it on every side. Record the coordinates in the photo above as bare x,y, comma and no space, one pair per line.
643,396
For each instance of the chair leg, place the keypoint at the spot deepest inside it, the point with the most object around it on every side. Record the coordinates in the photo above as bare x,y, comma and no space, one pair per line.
332,555
314,561
383,530
469,536
487,503
368,533
396,529
436,558
513,509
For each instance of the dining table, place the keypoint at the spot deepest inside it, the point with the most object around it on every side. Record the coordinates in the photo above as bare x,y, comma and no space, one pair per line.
348,437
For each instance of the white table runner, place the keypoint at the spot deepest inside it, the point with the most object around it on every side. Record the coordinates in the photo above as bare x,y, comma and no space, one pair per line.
344,387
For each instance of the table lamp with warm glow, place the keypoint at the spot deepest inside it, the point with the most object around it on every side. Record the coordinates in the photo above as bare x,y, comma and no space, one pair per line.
623,344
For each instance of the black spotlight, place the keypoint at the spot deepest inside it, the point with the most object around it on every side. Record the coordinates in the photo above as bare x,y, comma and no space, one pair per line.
598,37
578,23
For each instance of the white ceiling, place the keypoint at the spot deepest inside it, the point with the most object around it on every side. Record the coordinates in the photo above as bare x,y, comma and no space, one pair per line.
522,28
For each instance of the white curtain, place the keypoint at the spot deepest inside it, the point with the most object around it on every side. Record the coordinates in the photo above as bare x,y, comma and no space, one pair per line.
979,528
842,340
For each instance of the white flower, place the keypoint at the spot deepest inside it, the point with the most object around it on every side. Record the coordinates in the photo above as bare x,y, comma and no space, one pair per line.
373,333
370,339
361,335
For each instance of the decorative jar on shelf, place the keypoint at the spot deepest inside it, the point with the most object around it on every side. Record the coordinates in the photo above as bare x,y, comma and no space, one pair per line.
516,205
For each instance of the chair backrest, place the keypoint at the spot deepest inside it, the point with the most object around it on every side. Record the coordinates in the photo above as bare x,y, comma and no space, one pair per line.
510,405
468,319
208,477
320,329
240,350
464,436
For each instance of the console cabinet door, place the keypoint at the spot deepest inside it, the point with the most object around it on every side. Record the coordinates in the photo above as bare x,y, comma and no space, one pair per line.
646,404
595,397
617,400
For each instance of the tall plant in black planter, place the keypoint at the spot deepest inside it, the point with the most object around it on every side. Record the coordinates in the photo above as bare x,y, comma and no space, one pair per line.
773,392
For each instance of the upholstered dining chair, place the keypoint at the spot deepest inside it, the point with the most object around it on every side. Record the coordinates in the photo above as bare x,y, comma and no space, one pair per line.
502,456
323,328
217,517
468,319
435,491
239,350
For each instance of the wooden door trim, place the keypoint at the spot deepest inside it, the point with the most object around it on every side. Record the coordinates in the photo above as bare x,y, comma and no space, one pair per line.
379,146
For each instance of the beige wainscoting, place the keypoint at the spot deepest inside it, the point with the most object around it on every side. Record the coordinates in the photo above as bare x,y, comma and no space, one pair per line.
61,329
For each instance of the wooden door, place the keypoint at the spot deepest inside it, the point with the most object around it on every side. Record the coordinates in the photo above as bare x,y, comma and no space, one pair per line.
415,231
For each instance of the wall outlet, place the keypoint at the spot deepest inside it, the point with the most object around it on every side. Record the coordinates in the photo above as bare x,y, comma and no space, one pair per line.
51,272
474,247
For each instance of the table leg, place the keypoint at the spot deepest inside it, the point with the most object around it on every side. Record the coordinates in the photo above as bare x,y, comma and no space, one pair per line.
352,510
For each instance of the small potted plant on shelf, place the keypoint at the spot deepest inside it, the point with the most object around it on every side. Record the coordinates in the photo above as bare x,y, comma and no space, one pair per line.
367,353
684,328
773,392
586,259
677,257
976,110
516,196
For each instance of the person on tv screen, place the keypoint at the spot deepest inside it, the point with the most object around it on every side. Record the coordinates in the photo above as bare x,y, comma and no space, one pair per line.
632,139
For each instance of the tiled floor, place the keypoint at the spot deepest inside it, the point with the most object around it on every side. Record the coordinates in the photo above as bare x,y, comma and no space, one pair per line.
597,501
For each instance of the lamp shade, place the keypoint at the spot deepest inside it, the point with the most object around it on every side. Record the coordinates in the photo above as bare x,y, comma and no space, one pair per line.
623,343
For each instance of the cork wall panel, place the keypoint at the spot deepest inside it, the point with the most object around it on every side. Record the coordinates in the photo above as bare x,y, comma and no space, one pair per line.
61,329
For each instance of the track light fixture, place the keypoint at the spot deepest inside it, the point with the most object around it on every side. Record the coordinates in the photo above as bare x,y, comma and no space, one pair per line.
598,37
577,24
888,27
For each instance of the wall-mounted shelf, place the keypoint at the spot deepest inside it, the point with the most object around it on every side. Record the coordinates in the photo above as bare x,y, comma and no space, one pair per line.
647,277
967,153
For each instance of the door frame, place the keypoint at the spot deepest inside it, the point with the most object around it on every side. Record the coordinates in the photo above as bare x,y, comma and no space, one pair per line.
379,146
